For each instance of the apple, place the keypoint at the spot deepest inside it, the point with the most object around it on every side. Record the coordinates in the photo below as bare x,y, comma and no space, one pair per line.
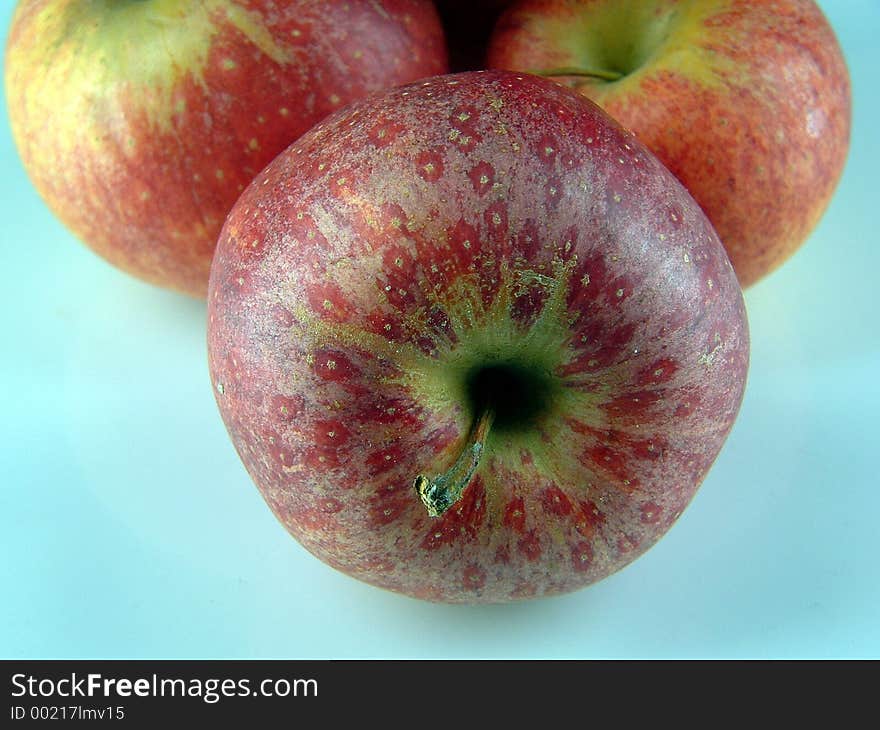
746,102
472,341
141,121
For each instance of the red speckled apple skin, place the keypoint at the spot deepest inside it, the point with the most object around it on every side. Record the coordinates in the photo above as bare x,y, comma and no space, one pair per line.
747,102
144,166
478,218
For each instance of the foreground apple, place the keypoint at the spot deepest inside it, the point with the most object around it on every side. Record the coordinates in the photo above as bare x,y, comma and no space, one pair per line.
473,342
141,121
747,102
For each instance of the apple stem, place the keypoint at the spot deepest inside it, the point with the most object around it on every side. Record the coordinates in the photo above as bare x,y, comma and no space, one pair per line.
575,71
443,491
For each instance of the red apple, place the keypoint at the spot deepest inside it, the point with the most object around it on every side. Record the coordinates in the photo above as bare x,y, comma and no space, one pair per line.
475,297
141,121
747,102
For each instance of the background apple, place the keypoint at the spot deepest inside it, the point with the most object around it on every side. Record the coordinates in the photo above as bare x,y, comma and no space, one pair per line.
478,243
141,121
747,102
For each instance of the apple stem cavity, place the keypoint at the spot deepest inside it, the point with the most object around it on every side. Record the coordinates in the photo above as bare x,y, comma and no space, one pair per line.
443,491
591,73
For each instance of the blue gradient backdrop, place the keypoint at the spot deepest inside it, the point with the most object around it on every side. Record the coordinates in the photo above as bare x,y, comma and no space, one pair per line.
128,527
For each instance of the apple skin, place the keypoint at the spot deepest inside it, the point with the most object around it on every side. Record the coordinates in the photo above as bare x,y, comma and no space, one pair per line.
746,102
474,221
141,121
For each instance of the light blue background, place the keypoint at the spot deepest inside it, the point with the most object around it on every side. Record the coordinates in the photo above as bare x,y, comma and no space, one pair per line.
128,527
